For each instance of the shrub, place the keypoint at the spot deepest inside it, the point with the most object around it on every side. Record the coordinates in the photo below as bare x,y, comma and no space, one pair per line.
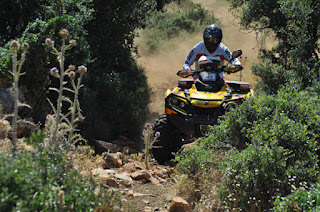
273,148
44,180
280,149
200,177
280,157
299,200
116,95
272,77
192,160
301,107
116,101
254,177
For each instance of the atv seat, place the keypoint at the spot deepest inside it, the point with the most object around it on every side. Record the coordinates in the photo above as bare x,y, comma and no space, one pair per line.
185,83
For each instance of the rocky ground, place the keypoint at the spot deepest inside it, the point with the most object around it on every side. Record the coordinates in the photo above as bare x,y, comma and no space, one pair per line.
143,188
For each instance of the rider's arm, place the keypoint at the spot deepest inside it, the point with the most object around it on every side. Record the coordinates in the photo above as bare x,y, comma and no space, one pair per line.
189,61
191,58
235,63
228,56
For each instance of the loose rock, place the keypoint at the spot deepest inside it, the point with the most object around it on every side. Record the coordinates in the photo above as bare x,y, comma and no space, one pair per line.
179,205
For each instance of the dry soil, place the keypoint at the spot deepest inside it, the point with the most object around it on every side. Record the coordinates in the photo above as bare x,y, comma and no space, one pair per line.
161,69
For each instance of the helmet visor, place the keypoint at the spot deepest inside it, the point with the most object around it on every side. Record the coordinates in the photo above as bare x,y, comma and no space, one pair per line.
211,41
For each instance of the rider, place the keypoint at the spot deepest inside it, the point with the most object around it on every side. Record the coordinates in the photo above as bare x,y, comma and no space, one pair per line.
210,46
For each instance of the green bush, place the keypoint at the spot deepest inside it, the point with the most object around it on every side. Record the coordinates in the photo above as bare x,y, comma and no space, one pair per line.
273,148
280,157
315,88
276,134
299,107
117,101
299,200
272,77
254,177
116,93
44,180
192,160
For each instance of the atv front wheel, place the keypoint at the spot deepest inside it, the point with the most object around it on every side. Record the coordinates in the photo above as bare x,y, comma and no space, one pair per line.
169,140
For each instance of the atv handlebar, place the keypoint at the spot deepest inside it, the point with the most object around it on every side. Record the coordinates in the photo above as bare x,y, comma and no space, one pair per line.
185,73
227,69
232,69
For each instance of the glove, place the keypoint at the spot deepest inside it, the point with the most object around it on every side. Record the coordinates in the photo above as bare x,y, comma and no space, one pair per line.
188,69
237,67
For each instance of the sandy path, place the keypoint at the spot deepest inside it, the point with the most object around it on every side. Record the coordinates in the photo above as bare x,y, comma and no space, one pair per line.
161,68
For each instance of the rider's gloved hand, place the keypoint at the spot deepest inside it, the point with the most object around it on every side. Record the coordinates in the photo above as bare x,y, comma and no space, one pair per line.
188,69
185,73
236,66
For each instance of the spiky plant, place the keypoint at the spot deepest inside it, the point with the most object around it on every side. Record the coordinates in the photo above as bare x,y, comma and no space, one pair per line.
16,73
149,140
75,109
63,123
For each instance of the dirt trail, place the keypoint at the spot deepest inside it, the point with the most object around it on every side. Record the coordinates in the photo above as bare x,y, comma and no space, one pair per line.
161,68
161,71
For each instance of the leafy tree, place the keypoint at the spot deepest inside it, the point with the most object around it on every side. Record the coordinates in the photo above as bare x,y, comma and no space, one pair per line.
15,16
116,91
72,14
296,25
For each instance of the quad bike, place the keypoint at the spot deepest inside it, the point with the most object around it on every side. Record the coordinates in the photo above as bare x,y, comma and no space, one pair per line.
196,103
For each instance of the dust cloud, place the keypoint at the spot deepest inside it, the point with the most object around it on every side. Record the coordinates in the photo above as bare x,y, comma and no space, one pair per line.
161,68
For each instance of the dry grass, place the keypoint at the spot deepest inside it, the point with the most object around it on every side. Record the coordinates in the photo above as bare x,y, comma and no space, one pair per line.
202,189
5,144
4,129
84,159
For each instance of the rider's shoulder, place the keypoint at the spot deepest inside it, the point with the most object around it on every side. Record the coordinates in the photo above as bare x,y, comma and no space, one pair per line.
222,46
199,46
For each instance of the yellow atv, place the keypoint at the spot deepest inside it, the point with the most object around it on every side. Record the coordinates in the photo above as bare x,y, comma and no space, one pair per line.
196,103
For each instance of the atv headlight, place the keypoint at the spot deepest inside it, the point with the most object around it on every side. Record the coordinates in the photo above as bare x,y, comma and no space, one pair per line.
182,104
174,101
